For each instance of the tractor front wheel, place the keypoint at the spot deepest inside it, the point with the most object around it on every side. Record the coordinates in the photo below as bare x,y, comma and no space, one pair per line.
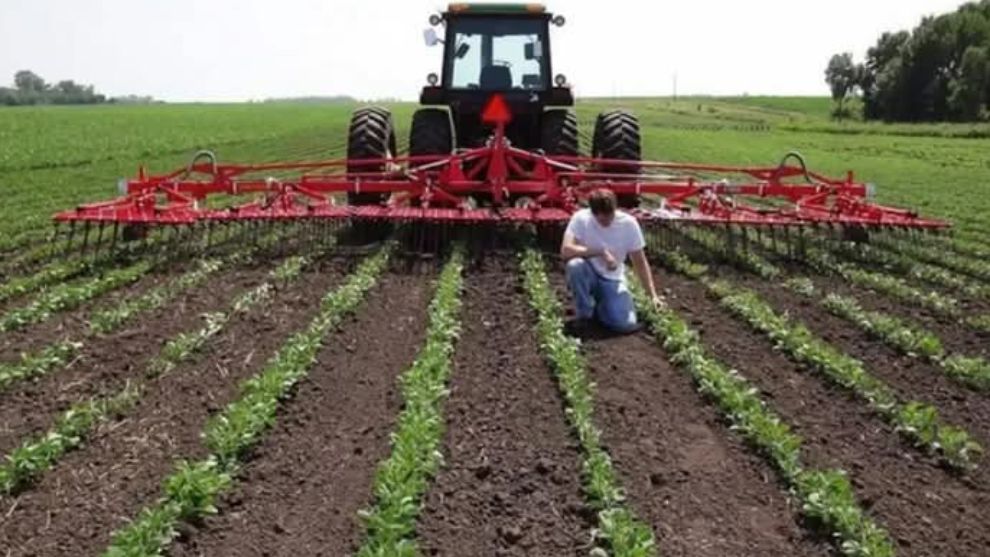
617,137
371,136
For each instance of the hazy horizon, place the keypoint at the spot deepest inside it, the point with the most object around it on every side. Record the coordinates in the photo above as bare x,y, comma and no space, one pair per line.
238,50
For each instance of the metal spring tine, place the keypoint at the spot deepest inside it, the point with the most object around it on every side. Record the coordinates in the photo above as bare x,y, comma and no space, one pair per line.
113,240
99,241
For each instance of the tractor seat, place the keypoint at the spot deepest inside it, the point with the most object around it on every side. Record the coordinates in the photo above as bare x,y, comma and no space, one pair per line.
496,78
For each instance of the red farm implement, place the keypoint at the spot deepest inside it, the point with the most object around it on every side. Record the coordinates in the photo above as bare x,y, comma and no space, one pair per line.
497,143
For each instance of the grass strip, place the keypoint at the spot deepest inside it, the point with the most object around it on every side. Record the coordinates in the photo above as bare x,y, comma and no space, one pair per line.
191,490
624,534
71,295
907,338
403,477
826,496
37,455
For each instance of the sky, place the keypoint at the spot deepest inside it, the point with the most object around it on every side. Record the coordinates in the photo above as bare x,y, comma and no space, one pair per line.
235,50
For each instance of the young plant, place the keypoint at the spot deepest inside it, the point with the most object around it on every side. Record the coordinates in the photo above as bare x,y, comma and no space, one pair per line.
404,476
111,319
803,346
623,533
71,295
36,365
825,495
190,492
36,456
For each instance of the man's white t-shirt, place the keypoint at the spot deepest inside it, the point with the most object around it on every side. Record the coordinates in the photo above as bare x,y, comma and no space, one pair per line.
619,238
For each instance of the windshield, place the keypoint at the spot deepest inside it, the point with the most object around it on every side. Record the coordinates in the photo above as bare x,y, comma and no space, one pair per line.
497,54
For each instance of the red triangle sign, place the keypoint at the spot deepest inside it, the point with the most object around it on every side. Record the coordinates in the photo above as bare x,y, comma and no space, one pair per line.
496,111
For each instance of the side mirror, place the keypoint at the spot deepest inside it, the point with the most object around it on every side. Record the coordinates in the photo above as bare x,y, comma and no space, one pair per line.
533,50
430,37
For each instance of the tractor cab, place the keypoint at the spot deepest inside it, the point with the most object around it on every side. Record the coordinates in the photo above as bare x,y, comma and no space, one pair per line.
489,49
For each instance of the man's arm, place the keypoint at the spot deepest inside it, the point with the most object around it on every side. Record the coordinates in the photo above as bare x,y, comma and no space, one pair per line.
641,266
570,248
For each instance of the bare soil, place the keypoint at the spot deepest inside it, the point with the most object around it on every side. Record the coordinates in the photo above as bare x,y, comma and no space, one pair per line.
511,481
301,490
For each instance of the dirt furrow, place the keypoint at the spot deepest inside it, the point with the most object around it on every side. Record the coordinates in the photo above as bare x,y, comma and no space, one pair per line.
95,490
928,511
105,363
912,378
300,492
511,484
702,490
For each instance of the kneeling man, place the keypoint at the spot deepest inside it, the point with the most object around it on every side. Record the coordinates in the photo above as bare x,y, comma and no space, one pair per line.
595,246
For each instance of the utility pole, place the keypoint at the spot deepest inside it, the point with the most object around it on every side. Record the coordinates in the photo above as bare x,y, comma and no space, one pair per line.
675,86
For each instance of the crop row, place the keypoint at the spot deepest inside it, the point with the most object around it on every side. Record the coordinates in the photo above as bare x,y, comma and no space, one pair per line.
106,321
403,477
619,528
919,422
896,262
826,496
36,456
71,295
825,263
51,274
978,269
191,490
908,338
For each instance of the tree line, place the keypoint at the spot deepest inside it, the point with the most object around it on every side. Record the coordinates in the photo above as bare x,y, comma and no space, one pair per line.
29,88
938,71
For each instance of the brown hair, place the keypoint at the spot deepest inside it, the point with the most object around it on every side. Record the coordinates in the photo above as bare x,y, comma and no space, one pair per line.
602,202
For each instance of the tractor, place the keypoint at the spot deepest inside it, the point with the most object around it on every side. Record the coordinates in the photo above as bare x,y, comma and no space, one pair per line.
492,49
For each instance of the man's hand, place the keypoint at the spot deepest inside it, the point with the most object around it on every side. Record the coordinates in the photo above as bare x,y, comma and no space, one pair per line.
659,302
610,263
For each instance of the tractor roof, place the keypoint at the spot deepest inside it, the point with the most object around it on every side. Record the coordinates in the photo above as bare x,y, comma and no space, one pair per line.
473,8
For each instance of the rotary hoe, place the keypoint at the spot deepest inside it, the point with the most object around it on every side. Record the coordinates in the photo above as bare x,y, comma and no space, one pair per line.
494,149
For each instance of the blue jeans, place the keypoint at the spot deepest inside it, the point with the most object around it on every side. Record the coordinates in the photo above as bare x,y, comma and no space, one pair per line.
595,297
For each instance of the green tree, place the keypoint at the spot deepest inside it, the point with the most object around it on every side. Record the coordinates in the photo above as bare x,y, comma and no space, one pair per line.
968,97
841,76
27,81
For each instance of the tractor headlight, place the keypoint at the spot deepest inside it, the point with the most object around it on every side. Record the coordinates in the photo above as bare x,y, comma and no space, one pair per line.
435,20
433,79
560,80
558,20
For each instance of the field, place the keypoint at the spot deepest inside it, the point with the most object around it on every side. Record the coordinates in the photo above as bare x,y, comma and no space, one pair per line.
291,393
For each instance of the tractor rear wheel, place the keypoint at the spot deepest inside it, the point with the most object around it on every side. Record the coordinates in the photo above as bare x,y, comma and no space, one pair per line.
617,137
370,136
431,133
559,133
